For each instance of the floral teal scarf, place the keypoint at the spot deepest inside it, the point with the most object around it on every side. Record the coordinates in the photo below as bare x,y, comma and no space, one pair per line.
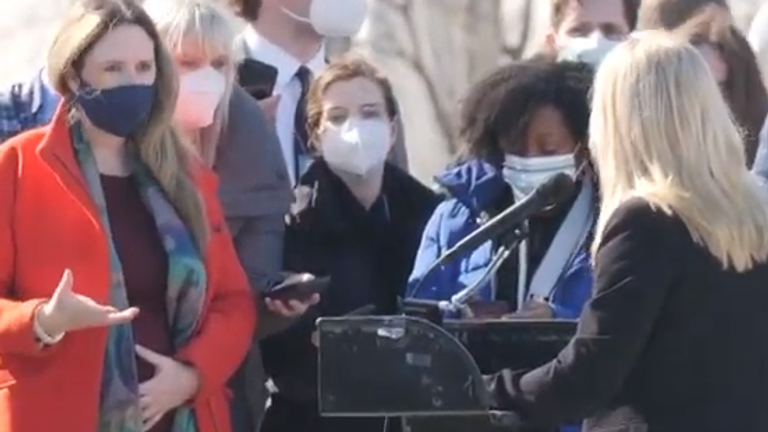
119,401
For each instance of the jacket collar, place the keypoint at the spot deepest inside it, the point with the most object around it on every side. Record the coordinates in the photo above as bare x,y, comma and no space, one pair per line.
475,183
57,151
324,204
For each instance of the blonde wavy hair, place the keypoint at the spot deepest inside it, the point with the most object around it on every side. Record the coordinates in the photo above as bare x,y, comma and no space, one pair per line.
660,130
160,148
214,28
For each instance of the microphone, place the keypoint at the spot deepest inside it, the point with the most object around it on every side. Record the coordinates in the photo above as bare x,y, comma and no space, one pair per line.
555,190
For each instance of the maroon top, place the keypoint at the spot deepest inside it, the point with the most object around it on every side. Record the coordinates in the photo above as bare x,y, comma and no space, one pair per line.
145,269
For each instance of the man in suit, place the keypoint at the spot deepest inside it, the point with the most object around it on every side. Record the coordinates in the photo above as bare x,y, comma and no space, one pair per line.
289,35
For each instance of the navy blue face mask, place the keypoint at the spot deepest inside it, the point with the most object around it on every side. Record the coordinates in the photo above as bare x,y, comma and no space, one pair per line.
119,111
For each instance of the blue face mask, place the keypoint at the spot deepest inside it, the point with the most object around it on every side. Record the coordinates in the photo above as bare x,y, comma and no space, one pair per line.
119,111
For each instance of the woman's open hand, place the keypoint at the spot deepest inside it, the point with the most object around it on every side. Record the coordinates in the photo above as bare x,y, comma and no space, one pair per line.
67,311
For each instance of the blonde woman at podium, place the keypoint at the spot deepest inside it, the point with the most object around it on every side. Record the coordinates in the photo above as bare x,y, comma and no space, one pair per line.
675,337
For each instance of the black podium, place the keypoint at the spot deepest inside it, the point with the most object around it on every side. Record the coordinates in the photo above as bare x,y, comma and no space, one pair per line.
429,375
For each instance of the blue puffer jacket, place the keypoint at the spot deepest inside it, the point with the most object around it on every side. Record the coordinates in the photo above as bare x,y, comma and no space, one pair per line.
474,186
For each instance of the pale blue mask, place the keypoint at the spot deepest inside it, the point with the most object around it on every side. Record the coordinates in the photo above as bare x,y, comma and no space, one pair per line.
524,174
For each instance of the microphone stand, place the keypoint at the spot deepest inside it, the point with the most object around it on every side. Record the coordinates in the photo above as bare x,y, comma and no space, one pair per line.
460,300
433,310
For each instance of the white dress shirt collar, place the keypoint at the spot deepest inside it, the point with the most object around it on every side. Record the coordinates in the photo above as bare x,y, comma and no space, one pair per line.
287,65
289,88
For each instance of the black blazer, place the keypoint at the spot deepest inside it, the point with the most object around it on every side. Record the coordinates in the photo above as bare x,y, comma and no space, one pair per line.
671,342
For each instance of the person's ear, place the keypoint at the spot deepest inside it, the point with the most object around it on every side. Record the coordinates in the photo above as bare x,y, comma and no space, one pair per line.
314,133
582,161
72,81
580,153
314,142
393,131
550,40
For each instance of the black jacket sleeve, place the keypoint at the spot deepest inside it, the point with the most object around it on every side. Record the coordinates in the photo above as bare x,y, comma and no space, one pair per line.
635,266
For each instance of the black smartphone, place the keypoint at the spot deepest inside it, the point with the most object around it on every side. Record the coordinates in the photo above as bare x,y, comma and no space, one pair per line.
257,78
298,287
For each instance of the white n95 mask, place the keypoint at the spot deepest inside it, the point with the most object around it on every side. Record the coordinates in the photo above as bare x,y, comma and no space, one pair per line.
525,174
200,92
591,49
334,18
357,146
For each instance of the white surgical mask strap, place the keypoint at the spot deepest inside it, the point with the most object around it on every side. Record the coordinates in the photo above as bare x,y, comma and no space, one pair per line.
296,16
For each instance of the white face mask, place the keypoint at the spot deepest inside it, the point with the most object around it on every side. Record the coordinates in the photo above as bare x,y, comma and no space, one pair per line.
524,174
591,49
329,19
358,146
200,93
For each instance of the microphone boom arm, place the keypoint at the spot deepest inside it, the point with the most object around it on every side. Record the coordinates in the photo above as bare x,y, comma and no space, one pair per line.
459,301
555,190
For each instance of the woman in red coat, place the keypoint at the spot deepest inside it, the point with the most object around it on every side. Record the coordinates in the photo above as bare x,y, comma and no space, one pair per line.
123,307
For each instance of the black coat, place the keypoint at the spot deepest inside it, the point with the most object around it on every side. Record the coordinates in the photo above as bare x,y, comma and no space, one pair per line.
367,253
670,342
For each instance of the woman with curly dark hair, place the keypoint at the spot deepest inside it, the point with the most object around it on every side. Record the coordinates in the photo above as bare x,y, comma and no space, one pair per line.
521,125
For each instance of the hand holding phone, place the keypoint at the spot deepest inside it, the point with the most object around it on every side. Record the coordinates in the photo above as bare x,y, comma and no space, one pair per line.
291,308
300,287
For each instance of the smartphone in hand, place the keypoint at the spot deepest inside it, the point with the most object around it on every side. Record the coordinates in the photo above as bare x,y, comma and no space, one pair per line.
257,78
299,287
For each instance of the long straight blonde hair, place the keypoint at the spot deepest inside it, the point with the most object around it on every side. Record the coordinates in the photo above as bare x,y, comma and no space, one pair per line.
660,130
160,148
213,27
